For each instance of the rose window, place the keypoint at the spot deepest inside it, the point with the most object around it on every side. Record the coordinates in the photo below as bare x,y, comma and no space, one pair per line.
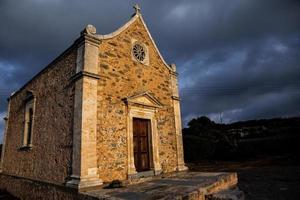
139,52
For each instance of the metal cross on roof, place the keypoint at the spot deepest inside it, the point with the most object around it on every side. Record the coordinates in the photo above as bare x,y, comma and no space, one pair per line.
137,8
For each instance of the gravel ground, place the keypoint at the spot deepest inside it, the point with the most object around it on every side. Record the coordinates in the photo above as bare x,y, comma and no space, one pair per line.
261,179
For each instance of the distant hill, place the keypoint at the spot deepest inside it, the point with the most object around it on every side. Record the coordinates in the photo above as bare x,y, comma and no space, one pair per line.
205,139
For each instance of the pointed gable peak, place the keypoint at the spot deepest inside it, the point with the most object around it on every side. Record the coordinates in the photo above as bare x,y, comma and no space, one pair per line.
136,16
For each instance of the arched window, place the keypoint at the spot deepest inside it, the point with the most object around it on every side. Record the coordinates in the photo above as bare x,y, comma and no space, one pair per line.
29,117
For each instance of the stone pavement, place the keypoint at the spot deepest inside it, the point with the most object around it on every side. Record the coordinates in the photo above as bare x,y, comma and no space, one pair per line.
184,185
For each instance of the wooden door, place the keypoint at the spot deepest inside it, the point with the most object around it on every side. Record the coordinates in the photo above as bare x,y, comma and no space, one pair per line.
141,130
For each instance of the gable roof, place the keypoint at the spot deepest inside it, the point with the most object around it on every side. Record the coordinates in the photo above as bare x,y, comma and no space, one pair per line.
137,16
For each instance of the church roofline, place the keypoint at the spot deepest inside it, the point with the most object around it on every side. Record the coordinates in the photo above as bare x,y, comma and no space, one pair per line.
48,66
119,30
136,16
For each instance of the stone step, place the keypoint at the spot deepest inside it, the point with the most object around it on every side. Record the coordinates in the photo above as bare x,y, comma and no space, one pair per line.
229,194
187,185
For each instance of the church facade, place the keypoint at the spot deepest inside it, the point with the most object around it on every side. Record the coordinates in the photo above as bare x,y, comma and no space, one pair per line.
107,108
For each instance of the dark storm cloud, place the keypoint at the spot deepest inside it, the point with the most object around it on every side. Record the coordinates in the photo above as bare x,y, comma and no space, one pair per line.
260,80
239,58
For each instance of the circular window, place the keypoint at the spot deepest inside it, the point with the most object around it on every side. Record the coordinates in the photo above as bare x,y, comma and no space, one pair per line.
139,52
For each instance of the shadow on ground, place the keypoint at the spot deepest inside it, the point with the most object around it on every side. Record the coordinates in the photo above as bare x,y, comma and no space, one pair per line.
263,178
4,195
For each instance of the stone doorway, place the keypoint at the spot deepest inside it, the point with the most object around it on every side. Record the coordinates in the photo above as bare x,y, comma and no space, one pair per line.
141,144
141,114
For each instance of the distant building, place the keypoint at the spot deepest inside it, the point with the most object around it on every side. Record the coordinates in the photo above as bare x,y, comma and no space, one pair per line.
107,108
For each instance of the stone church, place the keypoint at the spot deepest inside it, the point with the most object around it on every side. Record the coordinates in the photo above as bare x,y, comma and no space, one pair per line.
107,108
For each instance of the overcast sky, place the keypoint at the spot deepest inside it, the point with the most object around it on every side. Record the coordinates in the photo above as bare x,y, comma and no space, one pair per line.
238,59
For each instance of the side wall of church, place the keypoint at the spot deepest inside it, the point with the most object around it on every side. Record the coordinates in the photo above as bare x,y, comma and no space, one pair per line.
122,77
49,159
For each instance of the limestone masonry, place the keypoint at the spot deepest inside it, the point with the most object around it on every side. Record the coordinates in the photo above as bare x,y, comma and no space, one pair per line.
106,109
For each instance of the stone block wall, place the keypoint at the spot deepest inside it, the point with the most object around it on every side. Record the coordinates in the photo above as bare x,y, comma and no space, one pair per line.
29,189
122,77
49,159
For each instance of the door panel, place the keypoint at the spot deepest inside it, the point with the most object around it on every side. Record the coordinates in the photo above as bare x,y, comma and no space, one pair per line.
141,128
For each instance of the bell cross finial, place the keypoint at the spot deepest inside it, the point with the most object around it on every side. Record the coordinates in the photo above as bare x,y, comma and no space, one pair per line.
137,9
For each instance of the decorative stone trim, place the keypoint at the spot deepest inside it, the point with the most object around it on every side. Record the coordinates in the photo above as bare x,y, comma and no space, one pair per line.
174,73
137,112
173,70
154,44
80,184
143,106
175,98
177,121
29,119
118,31
146,59
132,100
82,74
25,148
90,39
88,35
84,154
89,29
